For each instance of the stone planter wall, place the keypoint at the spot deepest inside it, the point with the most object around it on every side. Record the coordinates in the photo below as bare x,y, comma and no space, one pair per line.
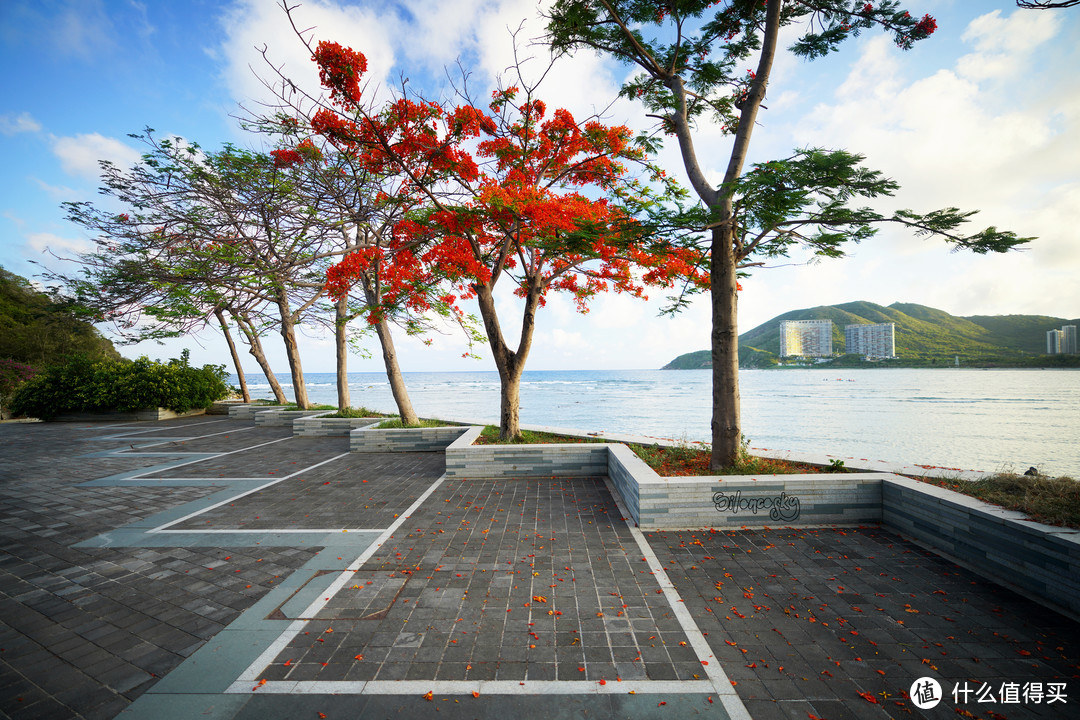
370,439
283,418
1041,560
526,461
247,412
318,426
148,414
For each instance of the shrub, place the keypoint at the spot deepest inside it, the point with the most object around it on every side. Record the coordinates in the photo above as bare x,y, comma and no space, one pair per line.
83,385
12,375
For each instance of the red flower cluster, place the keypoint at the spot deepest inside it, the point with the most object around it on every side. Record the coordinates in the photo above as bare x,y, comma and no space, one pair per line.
517,171
308,150
286,158
340,69
924,28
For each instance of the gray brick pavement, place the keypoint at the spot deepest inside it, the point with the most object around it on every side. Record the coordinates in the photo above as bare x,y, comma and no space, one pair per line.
804,622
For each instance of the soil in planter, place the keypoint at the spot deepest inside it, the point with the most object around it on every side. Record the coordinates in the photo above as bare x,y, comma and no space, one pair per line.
670,461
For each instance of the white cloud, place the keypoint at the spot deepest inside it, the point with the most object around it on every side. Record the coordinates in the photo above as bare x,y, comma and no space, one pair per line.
21,123
1001,44
50,242
253,24
952,138
80,154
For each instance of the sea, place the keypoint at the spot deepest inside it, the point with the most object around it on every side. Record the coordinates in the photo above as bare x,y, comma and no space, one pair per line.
970,419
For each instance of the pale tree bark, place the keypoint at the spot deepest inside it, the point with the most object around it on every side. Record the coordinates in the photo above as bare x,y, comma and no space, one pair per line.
292,352
341,350
509,363
292,349
726,424
256,350
389,354
235,356
726,251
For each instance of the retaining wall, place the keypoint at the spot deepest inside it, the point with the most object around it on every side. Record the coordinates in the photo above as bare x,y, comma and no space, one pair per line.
147,414
370,439
318,426
283,418
525,461
1041,560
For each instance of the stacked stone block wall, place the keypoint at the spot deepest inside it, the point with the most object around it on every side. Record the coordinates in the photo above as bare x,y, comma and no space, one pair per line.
283,418
527,461
748,501
371,439
318,426
1041,560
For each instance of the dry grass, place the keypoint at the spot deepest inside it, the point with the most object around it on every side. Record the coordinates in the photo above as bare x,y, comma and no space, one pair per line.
1055,501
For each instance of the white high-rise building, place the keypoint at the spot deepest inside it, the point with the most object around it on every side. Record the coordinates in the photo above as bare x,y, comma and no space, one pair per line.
1068,342
871,341
1054,341
806,338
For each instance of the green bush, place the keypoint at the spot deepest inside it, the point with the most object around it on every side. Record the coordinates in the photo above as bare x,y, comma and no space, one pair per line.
80,384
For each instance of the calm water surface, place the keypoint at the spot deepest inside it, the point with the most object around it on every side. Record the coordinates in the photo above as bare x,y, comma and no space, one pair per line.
971,419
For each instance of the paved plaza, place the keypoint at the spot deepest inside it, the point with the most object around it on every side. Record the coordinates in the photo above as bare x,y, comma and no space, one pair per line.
208,568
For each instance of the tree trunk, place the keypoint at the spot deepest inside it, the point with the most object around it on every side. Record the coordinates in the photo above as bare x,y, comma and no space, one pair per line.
510,363
726,432
341,348
393,370
723,281
292,352
256,350
235,357
393,374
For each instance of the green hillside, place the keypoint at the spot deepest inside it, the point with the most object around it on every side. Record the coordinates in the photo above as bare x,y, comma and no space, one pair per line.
925,337
37,328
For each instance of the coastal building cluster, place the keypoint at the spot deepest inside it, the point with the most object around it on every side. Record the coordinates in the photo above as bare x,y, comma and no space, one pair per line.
806,338
1061,342
814,338
871,341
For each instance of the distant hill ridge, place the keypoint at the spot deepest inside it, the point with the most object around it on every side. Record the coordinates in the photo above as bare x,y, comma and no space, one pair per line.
925,336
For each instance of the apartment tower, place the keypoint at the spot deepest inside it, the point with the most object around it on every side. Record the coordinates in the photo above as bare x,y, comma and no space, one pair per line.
806,338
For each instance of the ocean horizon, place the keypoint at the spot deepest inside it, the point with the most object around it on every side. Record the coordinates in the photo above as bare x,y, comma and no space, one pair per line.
970,419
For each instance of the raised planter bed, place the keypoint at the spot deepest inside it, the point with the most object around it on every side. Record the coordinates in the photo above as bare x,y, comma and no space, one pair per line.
148,414
463,459
284,418
426,439
319,426
1042,561
247,411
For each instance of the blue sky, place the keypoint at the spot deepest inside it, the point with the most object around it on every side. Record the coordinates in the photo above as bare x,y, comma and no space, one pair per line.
984,115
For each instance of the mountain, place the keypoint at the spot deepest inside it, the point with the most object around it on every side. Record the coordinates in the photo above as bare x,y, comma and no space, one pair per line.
925,337
37,328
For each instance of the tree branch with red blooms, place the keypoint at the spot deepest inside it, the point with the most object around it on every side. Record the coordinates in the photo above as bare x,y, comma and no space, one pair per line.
512,192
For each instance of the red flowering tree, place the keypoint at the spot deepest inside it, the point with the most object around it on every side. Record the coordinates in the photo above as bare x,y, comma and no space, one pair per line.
692,57
510,193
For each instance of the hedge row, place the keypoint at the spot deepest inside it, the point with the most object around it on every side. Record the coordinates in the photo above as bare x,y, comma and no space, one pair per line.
80,384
